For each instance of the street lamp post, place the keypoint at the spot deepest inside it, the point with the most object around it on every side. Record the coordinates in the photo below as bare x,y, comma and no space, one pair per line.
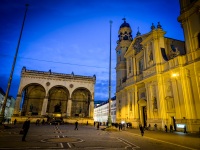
12,70
109,87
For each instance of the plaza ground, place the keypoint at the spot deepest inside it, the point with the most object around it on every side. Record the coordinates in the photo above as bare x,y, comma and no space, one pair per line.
88,137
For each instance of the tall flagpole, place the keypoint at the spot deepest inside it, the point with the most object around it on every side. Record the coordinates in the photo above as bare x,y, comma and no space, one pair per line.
12,70
109,98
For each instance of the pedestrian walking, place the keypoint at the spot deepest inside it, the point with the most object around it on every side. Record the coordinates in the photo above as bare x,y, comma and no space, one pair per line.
149,127
98,124
165,128
76,125
155,127
120,126
94,123
171,128
185,129
141,130
43,122
15,121
25,128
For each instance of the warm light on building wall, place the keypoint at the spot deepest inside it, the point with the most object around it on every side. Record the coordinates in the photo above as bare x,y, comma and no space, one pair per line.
175,75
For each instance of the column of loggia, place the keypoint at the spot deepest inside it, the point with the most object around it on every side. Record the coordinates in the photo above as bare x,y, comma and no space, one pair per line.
17,105
44,106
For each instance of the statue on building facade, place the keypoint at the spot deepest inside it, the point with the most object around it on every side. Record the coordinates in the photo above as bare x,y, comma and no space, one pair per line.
57,107
155,103
31,108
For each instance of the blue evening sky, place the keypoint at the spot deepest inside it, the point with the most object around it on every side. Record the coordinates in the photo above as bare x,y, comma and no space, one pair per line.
74,35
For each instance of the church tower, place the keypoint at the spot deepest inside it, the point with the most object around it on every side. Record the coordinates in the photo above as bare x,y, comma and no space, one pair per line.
125,39
190,20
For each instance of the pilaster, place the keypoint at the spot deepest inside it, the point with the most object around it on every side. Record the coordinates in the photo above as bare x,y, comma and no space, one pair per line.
91,108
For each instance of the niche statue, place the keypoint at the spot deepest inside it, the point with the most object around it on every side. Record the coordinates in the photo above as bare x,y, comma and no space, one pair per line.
57,107
155,103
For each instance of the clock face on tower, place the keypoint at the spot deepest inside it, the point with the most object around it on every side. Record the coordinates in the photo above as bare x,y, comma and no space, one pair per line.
118,52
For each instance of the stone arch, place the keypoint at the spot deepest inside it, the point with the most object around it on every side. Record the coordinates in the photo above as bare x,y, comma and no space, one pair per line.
57,99
81,98
142,102
33,95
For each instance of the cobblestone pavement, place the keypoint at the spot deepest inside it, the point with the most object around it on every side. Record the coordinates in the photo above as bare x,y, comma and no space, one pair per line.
88,137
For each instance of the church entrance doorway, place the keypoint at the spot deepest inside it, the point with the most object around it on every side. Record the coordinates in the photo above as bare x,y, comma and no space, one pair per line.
144,109
143,112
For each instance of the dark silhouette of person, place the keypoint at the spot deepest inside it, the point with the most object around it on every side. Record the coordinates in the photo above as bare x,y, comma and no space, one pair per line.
76,125
25,128
165,128
171,128
98,124
15,121
43,122
185,129
120,126
94,123
155,127
149,127
141,130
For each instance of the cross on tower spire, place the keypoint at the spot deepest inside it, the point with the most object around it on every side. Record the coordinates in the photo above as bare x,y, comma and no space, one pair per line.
124,19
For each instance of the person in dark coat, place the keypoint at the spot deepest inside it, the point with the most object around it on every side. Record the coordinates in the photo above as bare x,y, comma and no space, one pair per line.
98,124
185,129
15,121
141,130
171,128
165,128
76,125
25,128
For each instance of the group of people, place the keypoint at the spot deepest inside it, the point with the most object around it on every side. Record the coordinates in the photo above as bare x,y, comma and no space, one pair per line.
98,124
38,122
170,128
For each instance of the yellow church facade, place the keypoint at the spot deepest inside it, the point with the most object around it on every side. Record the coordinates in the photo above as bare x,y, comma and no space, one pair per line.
158,78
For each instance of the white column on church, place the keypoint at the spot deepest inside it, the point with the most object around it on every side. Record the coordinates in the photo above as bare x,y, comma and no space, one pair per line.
69,106
44,106
17,105
136,106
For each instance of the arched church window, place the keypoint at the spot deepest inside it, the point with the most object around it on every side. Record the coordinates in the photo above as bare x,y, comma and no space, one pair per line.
141,61
129,65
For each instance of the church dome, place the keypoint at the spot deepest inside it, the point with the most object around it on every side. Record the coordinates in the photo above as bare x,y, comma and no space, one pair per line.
125,24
